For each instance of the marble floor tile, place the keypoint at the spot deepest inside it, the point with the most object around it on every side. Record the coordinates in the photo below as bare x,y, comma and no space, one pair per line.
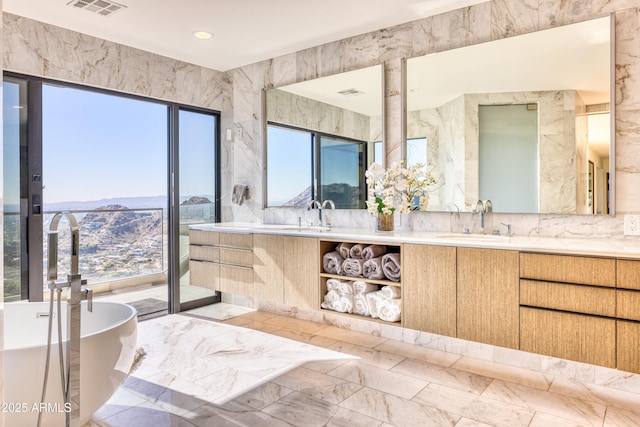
540,419
144,415
295,324
502,372
556,404
321,386
220,311
368,355
353,337
417,352
397,411
263,396
277,371
621,418
450,377
473,407
598,394
379,379
347,418
300,409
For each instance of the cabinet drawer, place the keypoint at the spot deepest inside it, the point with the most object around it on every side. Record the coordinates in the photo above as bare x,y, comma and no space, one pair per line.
236,240
204,253
628,274
241,257
561,296
236,280
628,305
568,269
200,237
628,346
204,274
578,337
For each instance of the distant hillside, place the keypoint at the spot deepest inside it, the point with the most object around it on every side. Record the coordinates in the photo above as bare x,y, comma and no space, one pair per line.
344,196
131,202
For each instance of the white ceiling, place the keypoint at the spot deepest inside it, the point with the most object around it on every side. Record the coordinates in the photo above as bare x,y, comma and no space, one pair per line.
245,31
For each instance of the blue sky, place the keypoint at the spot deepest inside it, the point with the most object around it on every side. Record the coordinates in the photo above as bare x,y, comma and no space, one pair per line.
100,146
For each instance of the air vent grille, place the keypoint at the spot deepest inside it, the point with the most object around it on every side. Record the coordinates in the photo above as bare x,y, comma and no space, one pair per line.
101,7
351,92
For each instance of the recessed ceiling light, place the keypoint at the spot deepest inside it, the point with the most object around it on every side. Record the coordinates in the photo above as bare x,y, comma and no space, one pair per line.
204,35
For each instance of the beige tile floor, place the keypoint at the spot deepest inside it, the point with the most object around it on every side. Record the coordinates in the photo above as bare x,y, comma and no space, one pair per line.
392,384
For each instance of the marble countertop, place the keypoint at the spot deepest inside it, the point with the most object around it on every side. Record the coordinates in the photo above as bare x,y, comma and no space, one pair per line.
621,248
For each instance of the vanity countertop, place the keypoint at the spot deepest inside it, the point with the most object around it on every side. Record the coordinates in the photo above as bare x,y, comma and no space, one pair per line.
621,248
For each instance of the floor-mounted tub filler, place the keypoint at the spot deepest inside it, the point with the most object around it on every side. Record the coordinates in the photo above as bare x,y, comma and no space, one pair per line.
107,348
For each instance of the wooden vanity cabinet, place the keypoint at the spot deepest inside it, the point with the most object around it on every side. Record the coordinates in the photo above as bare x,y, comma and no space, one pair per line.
430,288
301,270
221,261
268,258
487,296
628,313
568,307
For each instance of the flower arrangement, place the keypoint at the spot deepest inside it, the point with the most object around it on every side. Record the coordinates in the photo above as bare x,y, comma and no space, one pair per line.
407,188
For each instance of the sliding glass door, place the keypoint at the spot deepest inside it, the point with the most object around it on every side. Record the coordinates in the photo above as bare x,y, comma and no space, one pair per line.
196,192
108,159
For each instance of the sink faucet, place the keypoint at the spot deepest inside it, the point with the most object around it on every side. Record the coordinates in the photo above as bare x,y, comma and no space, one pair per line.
327,216
315,204
482,208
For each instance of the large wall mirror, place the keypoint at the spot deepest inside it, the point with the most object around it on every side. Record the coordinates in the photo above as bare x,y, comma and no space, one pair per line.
320,136
522,121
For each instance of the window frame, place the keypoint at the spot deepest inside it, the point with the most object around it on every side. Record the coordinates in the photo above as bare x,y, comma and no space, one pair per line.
316,162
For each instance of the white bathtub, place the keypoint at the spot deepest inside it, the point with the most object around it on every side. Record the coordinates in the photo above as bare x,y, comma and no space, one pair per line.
107,349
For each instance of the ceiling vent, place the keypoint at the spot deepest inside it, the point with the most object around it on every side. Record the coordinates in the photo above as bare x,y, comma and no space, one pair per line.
101,7
351,92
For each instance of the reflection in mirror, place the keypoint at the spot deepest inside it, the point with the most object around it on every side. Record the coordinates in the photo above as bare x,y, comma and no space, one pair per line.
321,135
517,121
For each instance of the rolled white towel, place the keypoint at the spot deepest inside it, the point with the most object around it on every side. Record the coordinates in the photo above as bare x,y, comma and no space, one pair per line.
390,292
361,304
344,304
329,299
352,267
373,251
390,310
332,263
344,248
360,287
372,268
342,287
374,299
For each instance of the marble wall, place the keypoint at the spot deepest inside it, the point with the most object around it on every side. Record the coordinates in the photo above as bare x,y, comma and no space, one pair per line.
44,50
1,249
492,20
289,109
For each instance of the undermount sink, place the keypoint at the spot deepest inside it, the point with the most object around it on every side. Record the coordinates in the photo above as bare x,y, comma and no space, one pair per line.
474,237
292,227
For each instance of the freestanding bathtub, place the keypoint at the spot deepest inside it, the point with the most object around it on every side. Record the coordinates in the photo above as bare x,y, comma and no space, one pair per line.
107,348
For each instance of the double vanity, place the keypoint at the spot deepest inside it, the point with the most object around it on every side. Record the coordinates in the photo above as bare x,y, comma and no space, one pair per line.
568,298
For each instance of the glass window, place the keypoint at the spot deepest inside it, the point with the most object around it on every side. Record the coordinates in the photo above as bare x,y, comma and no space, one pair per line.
289,167
340,171
304,165
416,151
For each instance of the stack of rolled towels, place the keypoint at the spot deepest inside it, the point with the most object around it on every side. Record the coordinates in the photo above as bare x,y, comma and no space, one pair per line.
365,299
358,260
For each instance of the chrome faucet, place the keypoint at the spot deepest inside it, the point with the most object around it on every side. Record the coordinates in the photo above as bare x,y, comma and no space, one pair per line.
315,204
327,216
482,208
74,280
71,380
